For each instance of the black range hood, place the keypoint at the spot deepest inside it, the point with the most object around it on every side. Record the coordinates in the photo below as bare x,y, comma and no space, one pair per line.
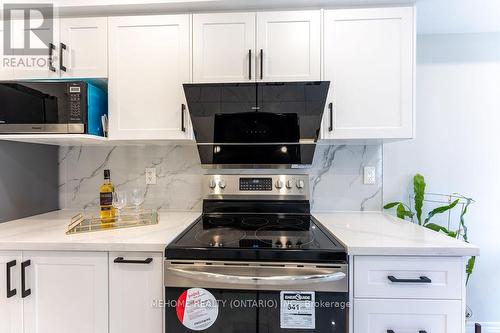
251,125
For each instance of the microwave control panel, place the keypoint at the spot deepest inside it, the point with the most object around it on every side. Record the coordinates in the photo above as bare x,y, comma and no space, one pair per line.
75,101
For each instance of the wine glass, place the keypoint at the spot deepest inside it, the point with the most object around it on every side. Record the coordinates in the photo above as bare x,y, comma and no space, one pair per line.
137,197
119,201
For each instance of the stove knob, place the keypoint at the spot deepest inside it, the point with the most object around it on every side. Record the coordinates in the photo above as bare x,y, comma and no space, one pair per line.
279,184
212,183
300,183
289,184
278,244
288,244
299,243
222,184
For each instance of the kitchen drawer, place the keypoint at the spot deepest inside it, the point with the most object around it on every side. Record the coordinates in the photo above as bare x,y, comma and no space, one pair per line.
407,316
371,277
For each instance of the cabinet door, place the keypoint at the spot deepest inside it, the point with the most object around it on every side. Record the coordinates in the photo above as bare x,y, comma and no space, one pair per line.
224,47
6,69
39,66
132,309
11,306
149,60
69,292
407,316
86,47
369,60
289,46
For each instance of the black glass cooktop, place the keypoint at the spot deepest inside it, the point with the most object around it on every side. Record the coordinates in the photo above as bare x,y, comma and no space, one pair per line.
267,234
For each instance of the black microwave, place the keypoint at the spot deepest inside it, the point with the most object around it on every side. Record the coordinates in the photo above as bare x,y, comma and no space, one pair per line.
76,107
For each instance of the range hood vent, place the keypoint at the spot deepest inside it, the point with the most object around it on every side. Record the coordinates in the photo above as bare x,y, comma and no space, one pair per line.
256,125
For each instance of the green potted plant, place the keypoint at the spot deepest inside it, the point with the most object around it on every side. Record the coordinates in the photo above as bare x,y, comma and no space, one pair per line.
405,211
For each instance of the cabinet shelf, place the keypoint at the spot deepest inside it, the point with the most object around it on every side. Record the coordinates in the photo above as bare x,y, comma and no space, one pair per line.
87,140
56,139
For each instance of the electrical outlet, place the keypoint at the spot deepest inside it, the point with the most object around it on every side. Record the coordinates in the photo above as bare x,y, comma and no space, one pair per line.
150,176
369,177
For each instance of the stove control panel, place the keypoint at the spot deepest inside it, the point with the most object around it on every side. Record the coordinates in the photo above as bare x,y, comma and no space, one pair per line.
256,184
277,185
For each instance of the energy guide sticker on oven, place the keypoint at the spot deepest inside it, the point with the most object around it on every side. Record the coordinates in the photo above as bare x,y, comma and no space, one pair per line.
197,309
297,310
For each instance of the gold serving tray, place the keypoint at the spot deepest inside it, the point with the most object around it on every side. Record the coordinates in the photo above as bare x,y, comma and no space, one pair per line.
128,218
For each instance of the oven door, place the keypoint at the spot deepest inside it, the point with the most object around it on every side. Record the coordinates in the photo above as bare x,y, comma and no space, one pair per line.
251,297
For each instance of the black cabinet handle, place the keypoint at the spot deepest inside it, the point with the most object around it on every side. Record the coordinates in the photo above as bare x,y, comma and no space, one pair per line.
52,47
249,64
183,110
10,292
422,279
391,331
330,108
261,64
24,292
61,65
120,260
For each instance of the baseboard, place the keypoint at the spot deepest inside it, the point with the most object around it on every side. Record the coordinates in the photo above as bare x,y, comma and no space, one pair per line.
490,327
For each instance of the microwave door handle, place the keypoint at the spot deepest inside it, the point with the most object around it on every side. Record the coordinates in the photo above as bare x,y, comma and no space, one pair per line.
264,280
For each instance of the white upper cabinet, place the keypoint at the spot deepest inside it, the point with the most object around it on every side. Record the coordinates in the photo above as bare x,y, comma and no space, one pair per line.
6,71
68,292
83,47
11,304
149,60
224,47
289,46
369,59
78,50
36,66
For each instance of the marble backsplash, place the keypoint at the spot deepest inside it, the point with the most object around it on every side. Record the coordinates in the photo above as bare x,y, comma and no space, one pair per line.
336,176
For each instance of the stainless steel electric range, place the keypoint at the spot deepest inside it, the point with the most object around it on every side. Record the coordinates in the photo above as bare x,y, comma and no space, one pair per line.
256,261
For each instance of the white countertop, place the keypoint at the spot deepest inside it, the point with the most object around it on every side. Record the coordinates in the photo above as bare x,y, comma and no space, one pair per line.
361,233
374,233
47,232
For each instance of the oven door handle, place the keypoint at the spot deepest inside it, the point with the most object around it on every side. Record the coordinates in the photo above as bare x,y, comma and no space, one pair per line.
264,280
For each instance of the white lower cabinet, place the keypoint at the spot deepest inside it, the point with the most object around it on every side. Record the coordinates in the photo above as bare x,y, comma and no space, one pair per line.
68,292
407,316
11,305
403,294
136,283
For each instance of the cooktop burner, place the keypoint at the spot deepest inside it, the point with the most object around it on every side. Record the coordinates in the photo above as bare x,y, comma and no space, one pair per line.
219,237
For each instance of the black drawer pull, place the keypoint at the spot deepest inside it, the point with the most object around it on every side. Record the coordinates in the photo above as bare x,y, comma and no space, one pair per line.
261,64
330,108
24,292
250,64
120,260
422,279
391,331
52,47
183,111
62,47
10,292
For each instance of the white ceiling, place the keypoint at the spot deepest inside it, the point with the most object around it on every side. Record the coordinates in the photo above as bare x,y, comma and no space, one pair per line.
458,16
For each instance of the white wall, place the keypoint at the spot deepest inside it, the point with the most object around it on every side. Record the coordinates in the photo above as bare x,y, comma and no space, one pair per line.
458,146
